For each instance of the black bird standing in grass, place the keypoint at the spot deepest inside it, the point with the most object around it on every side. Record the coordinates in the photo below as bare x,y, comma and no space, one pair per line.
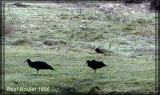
38,65
99,51
95,64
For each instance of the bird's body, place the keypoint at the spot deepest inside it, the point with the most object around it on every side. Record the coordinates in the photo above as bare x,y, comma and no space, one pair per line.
95,64
99,51
38,65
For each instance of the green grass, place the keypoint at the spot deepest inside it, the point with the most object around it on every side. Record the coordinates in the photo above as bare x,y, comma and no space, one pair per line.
130,69
122,73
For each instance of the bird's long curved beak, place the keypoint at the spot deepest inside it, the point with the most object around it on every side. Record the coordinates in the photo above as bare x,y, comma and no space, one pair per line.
84,64
23,62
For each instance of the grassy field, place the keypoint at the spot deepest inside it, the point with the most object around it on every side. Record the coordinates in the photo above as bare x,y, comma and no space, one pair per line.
63,35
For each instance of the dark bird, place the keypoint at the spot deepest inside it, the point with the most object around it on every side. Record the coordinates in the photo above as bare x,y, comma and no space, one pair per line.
99,51
20,5
38,65
95,64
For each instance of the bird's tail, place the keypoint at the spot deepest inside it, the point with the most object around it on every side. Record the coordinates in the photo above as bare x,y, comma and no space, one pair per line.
105,65
53,69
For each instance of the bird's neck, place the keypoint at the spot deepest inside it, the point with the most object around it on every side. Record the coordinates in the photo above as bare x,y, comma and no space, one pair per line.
89,63
29,62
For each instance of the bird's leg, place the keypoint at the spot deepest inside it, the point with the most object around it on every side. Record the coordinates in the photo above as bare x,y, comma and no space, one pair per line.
37,73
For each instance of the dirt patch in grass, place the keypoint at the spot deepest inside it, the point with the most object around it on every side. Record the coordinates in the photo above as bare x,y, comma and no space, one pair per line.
9,29
22,42
50,42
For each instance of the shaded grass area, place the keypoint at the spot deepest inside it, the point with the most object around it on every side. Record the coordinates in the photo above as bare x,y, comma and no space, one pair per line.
63,36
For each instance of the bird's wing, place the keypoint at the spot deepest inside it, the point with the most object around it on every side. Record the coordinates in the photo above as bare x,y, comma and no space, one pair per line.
99,50
100,64
105,51
41,65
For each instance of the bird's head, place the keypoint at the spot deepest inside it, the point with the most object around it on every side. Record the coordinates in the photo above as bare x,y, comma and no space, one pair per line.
95,47
27,60
86,62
